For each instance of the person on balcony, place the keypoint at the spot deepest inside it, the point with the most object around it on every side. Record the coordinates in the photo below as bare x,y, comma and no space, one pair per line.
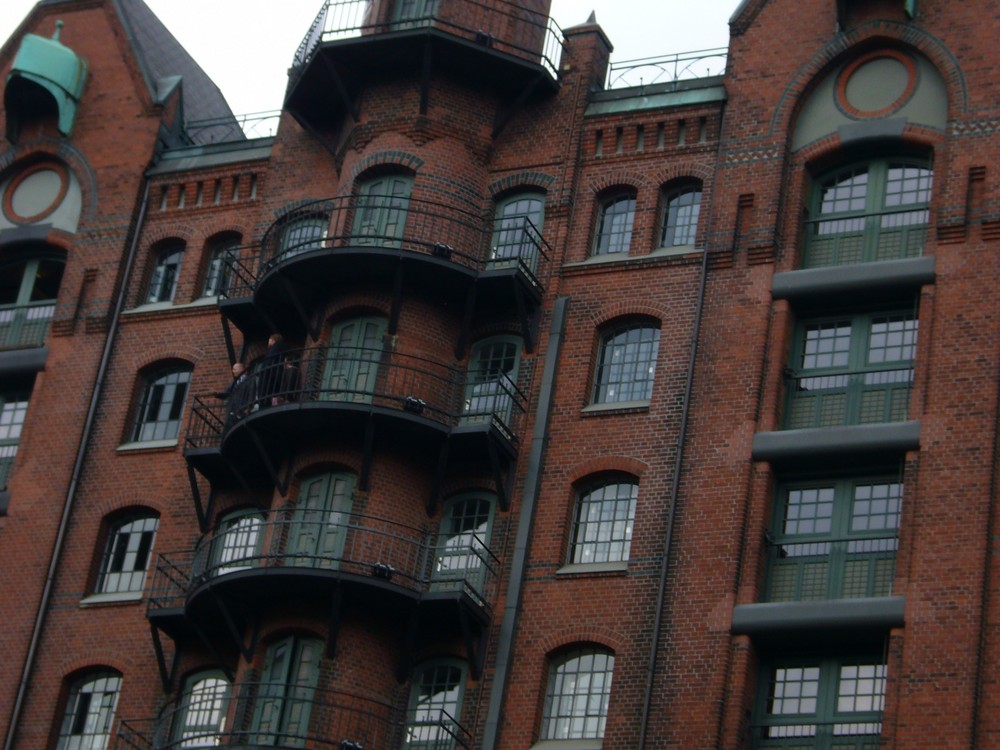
236,394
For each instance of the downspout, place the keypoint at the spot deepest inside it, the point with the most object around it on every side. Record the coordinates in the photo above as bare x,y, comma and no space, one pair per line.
532,481
81,454
675,484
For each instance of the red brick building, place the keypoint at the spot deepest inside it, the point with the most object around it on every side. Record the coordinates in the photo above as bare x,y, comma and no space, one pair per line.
569,413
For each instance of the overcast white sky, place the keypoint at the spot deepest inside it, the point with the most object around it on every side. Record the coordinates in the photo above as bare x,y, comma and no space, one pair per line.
247,45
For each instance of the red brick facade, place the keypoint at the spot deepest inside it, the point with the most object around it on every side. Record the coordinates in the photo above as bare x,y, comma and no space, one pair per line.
601,417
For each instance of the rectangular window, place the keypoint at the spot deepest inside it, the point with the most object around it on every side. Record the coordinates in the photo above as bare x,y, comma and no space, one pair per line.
834,539
820,704
856,369
13,411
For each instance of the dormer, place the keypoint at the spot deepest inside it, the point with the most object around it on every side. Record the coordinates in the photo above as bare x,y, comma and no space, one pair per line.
45,82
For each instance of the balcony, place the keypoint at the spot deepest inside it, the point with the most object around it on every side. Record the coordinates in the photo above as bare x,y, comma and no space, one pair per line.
847,398
432,248
300,554
891,234
351,393
502,45
334,720
25,326
859,734
843,568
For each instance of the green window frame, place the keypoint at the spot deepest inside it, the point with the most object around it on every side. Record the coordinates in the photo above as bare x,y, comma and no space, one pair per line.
128,552
604,521
353,358
161,405
13,413
679,221
820,704
615,217
29,287
381,210
851,369
320,521
577,695
165,273
463,544
435,706
302,233
237,543
219,270
491,382
517,230
626,362
834,538
286,692
200,720
90,712
412,10
869,211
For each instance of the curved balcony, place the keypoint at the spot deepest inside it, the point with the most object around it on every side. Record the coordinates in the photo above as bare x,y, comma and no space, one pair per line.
408,245
324,719
315,555
506,46
351,393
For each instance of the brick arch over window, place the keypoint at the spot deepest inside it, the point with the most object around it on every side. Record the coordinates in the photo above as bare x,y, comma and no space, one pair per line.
557,643
521,181
620,180
589,471
887,32
387,159
606,314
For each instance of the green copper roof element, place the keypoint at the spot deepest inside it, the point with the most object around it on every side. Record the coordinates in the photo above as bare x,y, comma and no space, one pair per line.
54,67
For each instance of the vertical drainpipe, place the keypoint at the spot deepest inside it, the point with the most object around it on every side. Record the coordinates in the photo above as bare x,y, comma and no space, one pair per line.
532,481
674,491
81,454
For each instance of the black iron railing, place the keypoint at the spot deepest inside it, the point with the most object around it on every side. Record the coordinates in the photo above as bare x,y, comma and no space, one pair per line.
429,228
361,375
846,397
681,66
830,568
890,234
306,538
498,24
277,714
847,734
25,326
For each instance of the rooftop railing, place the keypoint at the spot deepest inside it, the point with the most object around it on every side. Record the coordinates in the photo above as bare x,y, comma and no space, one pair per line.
326,720
681,66
314,539
501,25
235,128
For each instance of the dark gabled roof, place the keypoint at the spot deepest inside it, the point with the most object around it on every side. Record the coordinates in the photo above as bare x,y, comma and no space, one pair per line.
163,59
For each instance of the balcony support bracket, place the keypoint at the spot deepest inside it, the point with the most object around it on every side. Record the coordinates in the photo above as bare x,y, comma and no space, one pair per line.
338,83
246,650
425,83
405,664
213,652
228,336
272,472
463,335
496,464
475,648
204,512
368,454
504,116
336,618
439,474
397,299
166,675
526,319
312,326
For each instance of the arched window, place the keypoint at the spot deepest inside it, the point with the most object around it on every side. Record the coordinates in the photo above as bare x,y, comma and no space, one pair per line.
237,542
614,223
161,404
201,715
28,291
128,553
517,229
869,211
218,271
626,362
577,696
301,233
166,270
380,215
90,712
602,526
463,544
319,523
286,692
491,383
435,708
352,361
679,222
